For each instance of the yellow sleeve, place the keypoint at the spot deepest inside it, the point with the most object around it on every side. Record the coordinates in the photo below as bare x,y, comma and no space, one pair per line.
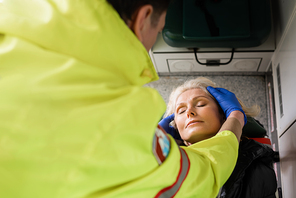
202,169
211,163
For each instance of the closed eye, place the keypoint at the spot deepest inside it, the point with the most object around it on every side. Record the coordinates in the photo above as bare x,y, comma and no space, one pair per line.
180,112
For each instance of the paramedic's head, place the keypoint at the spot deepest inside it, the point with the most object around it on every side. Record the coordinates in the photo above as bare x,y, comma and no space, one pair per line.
146,18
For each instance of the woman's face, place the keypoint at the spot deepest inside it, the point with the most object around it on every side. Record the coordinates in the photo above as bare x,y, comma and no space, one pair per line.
197,116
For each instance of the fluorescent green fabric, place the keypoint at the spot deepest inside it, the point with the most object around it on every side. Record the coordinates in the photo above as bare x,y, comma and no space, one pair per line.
75,119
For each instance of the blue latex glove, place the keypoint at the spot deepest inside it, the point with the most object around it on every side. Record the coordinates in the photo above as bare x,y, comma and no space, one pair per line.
227,101
165,124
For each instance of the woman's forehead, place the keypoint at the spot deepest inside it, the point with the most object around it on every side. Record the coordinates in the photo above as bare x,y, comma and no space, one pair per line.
192,94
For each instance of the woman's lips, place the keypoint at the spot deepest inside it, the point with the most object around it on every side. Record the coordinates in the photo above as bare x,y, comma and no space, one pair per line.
193,123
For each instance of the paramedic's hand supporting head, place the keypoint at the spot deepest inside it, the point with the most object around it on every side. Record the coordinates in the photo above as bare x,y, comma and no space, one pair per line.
165,124
227,101
232,109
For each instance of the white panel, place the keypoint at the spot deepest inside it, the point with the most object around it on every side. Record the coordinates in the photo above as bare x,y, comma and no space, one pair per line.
192,65
287,146
286,57
162,61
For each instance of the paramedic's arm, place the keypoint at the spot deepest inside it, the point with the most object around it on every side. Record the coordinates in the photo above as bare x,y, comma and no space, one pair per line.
234,123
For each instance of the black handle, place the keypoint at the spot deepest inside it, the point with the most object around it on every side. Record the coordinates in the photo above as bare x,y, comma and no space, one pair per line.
213,64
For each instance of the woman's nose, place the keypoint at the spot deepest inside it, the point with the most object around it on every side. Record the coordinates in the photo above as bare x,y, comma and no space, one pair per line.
190,112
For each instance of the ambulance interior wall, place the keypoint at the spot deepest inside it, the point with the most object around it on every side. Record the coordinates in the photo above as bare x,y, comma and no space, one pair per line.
250,89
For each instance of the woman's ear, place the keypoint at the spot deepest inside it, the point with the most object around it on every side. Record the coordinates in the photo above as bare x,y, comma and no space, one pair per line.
141,21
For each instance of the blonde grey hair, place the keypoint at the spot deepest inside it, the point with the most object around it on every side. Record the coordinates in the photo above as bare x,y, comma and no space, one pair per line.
202,83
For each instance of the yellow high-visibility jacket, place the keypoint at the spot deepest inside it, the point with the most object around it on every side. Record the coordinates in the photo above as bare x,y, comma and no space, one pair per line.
75,119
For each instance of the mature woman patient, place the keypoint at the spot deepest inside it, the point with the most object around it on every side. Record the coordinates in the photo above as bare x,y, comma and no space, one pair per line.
197,116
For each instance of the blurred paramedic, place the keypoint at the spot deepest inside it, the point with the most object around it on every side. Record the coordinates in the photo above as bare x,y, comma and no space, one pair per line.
75,119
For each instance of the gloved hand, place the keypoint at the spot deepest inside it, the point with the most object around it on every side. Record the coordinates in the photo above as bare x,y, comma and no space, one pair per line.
227,101
165,124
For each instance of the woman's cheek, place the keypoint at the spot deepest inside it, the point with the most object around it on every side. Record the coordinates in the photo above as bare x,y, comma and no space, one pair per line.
177,122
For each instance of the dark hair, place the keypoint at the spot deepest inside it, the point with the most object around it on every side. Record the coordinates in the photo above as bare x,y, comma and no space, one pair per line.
126,8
